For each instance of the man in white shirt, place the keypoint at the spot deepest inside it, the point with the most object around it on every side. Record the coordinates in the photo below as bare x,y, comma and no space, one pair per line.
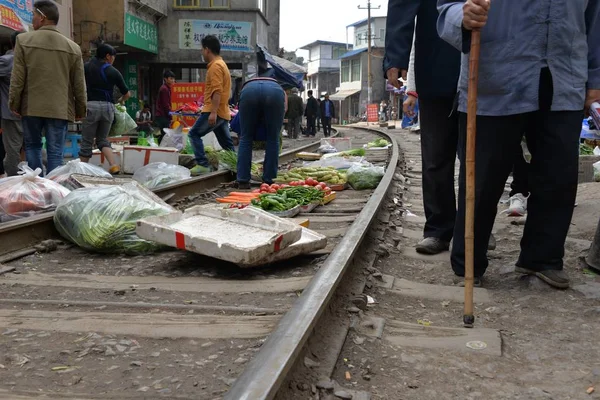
144,119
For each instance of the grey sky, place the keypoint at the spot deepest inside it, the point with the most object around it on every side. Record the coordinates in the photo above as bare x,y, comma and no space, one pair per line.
310,20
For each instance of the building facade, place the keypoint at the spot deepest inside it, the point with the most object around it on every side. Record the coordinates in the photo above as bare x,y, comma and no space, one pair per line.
323,66
353,87
152,36
131,26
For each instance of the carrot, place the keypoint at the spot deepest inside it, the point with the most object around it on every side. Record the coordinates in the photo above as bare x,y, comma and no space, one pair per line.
231,200
244,194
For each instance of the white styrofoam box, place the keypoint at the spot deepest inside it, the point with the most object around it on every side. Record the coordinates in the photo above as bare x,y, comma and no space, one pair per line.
239,236
100,160
135,157
309,242
341,144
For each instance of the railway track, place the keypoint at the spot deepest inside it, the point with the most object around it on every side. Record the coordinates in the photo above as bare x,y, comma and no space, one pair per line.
75,325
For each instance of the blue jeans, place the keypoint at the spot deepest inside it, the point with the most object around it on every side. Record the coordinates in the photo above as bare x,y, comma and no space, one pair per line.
261,102
56,133
201,128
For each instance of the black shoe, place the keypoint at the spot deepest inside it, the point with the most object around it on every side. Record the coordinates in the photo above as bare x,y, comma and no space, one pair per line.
492,242
242,185
432,246
555,278
460,281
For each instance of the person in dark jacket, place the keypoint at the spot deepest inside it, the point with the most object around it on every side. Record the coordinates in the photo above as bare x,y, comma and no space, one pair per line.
101,78
12,130
311,112
437,67
162,116
294,113
327,113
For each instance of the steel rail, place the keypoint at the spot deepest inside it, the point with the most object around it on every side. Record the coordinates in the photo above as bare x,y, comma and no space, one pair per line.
22,233
263,376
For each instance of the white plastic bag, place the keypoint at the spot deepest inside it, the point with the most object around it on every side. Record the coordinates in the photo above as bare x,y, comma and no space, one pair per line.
159,174
123,122
362,178
174,138
597,171
61,174
104,218
339,162
326,148
28,194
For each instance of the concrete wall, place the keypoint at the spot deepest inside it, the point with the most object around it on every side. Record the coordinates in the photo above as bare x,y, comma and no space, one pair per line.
65,22
96,19
377,25
274,18
159,6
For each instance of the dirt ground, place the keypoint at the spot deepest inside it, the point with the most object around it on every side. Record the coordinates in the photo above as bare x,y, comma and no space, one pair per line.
548,337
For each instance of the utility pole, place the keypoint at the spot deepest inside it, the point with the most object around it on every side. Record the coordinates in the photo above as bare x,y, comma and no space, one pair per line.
369,38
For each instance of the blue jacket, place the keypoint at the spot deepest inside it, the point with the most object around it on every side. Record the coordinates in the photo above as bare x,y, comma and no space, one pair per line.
437,64
520,38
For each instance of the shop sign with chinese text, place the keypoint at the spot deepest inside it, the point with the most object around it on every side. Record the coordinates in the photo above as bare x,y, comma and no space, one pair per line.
140,34
22,8
372,113
131,80
183,93
233,35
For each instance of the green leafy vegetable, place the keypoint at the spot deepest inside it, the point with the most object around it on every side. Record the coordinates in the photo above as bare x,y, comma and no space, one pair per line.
104,219
362,178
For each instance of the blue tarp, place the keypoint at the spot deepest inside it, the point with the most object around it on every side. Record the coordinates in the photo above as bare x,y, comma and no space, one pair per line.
286,79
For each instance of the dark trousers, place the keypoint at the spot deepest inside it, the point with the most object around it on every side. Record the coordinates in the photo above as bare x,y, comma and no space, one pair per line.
326,126
553,140
439,139
162,123
520,172
311,125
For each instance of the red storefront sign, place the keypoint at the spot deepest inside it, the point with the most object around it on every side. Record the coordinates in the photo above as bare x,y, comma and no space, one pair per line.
10,19
372,113
183,93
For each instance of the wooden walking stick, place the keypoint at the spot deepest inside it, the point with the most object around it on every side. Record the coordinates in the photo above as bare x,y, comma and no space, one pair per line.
469,318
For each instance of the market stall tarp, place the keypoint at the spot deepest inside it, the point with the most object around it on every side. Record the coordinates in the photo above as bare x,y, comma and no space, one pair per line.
343,94
286,79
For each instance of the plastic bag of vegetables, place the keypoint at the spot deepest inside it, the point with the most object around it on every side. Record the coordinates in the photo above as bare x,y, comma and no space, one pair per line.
27,194
158,174
362,178
61,174
378,143
123,122
104,218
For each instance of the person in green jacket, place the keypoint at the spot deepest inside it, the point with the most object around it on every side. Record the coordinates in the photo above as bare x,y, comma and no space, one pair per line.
294,113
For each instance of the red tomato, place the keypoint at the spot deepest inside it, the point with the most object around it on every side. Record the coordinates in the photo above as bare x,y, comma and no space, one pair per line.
272,191
284,186
319,187
323,184
301,183
275,186
327,190
264,186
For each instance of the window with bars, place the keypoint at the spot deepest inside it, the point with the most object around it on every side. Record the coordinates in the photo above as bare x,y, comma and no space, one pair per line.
355,70
346,71
201,4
